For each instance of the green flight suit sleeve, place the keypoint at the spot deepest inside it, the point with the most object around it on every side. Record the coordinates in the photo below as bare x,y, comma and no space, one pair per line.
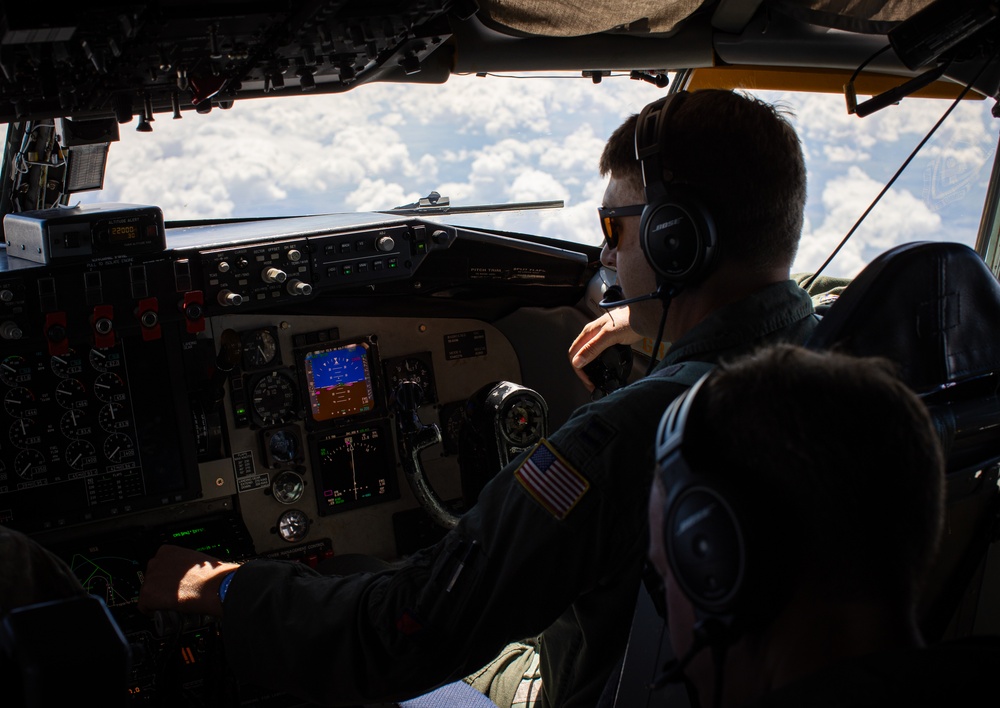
506,572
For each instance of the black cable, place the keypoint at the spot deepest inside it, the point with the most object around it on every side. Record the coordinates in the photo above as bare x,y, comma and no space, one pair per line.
868,61
667,299
719,660
809,281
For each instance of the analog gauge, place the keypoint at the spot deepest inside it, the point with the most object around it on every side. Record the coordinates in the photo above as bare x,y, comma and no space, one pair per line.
119,447
416,369
74,423
283,445
20,402
66,365
113,418
25,432
273,398
70,393
80,455
109,387
15,370
29,464
293,525
105,358
522,421
259,349
287,487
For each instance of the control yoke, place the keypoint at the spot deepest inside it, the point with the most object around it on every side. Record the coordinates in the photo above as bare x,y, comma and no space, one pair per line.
414,437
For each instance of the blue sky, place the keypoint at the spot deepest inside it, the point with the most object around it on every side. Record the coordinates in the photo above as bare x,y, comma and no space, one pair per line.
502,139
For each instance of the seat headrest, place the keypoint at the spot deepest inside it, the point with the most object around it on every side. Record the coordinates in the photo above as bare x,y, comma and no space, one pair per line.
931,307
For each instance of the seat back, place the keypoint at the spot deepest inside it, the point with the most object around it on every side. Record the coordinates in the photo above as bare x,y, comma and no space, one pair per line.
932,308
62,652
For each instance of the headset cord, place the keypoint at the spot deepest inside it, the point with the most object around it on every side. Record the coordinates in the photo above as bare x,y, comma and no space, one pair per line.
666,296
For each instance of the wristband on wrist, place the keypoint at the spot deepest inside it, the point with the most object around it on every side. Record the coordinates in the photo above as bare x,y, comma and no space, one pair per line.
224,587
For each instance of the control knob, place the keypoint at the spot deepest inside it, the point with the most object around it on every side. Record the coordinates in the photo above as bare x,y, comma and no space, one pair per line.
10,330
273,275
298,287
385,243
227,298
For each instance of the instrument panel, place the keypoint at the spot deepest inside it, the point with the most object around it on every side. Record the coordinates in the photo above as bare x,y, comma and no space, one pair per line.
244,393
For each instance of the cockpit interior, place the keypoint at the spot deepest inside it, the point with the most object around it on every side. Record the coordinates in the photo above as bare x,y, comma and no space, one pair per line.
329,385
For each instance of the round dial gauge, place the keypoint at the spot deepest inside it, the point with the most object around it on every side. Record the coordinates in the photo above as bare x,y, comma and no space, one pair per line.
113,418
521,423
15,370
70,393
283,446
109,387
25,432
413,369
259,348
287,487
293,525
273,398
66,365
19,402
74,423
80,455
29,464
119,447
105,359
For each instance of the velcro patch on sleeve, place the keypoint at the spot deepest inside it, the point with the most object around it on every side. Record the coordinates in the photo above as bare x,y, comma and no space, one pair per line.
551,480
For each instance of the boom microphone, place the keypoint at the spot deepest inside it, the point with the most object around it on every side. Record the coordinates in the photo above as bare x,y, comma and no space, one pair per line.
613,296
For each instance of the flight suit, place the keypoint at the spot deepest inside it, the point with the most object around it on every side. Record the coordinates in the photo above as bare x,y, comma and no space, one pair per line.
555,546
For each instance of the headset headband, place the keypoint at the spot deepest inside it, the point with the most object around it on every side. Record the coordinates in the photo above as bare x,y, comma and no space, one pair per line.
650,136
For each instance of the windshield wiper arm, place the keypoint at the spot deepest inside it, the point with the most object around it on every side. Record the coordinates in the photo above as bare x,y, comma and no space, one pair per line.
434,203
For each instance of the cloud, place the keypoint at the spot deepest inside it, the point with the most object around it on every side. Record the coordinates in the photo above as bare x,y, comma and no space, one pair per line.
840,153
900,216
496,140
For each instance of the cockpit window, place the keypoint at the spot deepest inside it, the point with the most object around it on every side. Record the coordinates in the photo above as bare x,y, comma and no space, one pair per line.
497,140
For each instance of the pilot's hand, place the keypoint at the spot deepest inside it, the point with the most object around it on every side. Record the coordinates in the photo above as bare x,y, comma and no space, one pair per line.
183,580
610,328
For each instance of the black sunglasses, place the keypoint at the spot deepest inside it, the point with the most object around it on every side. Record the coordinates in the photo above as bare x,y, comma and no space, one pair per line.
608,215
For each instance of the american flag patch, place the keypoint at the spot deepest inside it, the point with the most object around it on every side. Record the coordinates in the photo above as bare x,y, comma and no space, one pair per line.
551,480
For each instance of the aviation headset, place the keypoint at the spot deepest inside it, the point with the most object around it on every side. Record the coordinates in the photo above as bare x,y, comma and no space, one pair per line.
730,559
703,535
676,231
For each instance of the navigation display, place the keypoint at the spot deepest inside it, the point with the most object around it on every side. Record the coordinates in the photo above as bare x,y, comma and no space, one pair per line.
339,381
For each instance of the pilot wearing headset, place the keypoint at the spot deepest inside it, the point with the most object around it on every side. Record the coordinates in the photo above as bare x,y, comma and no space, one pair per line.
795,511
702,218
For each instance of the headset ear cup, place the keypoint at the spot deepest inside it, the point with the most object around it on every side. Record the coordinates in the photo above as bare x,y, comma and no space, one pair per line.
704,544
677,236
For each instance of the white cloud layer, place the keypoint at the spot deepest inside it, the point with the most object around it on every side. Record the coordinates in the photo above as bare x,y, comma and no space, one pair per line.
497,140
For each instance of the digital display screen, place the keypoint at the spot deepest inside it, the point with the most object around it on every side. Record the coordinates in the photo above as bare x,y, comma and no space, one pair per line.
339,381
123,232
355,467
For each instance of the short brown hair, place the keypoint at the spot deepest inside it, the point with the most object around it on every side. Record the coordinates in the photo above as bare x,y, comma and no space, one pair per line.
745,162
836,462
